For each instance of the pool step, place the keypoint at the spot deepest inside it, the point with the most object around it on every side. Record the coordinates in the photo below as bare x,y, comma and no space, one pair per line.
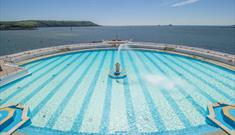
13,117
223,116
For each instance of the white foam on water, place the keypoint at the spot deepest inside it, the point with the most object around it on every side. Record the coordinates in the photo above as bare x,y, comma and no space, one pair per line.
162,81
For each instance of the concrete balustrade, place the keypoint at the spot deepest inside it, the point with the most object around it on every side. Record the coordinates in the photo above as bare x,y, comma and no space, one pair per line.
228,59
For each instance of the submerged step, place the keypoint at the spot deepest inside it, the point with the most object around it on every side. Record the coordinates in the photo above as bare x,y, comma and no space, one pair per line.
13,117
6,117
223,116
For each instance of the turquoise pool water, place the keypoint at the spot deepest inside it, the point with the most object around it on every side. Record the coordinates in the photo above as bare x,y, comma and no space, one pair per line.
162,93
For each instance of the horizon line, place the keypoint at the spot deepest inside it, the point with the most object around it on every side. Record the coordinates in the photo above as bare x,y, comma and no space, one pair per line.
121,24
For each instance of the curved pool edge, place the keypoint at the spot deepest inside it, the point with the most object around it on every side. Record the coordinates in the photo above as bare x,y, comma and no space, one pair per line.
195,57
95,49
200,129
217,58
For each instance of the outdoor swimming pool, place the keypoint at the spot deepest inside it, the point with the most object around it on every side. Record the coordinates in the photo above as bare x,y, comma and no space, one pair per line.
162,93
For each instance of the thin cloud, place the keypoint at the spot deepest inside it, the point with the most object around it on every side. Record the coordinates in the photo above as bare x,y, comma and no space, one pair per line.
168,2
185,2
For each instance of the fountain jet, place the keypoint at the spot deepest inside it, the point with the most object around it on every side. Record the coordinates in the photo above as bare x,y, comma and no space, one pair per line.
117,73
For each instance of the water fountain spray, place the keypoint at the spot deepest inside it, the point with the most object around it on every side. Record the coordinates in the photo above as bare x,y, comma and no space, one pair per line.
117,73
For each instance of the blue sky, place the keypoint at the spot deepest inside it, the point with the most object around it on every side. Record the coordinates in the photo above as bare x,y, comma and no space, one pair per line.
123,12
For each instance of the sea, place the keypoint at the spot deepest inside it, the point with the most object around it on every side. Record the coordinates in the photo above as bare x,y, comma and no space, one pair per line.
218,38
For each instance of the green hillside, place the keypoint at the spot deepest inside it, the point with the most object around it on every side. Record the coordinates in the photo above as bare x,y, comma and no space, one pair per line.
33,24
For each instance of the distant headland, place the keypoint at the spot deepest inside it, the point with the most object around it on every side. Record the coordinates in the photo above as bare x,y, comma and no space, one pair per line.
34,24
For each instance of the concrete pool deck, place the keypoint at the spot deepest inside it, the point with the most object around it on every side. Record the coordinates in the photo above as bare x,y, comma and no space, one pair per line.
6,69
218,58
11,72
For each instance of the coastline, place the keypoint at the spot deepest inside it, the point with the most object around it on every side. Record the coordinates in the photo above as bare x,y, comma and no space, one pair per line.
34,24
96,25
